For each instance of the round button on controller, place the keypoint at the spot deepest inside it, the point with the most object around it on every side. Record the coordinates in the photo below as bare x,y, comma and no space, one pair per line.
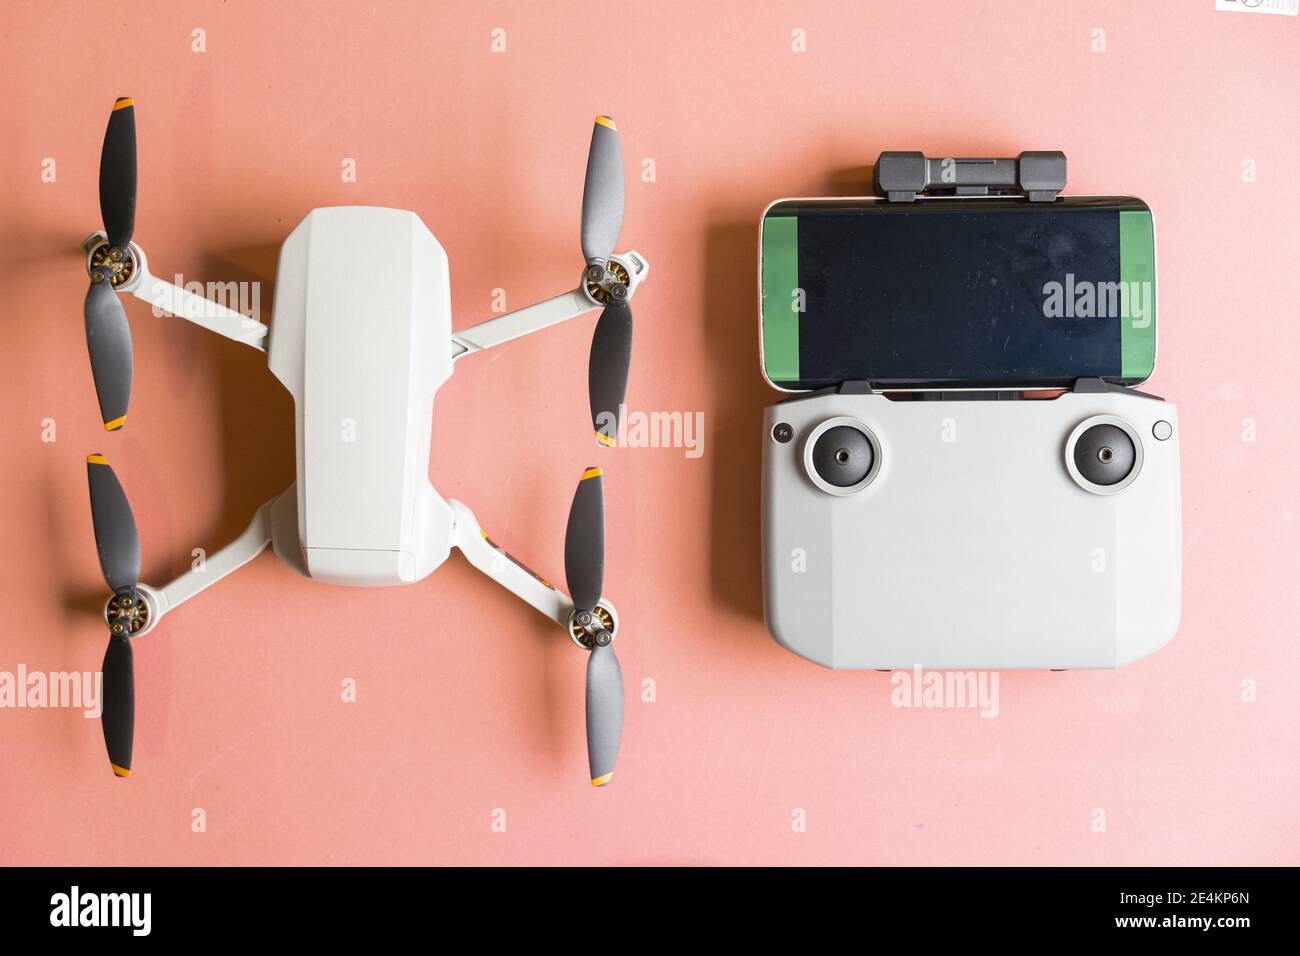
1162,430
1104,454
843,456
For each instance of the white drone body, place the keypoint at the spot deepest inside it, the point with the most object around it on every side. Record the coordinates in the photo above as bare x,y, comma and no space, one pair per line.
363,341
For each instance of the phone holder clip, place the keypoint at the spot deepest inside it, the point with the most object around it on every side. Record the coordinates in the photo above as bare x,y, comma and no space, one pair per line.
902,176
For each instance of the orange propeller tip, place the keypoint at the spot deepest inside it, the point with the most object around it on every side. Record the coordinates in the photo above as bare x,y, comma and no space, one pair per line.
96,459
590,473
122,102
607,440
120,771
115,424
601,781
607,121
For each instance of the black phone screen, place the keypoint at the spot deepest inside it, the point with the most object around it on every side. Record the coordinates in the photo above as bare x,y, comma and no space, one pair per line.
958,292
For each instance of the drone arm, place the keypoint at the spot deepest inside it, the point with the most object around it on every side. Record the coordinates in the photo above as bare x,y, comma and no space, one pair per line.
523,321
540,315
197,309
212,568
479,550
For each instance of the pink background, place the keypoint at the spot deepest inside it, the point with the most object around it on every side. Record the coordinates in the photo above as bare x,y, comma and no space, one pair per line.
470,701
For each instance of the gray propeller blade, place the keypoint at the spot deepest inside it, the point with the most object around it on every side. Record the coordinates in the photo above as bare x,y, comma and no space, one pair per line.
118,718
584,542
119,558
604,711
117,174
607,368
584,569
602,194
115,534
108,338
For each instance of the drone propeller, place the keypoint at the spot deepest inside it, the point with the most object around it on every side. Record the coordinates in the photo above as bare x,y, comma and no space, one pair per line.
108,336
117,174
119,559
584,569
602,193
602,220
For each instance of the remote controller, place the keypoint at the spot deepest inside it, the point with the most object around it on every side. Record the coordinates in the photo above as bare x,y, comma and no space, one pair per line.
952,531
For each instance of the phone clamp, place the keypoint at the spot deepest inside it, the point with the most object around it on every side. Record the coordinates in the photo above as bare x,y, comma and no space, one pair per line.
1037,175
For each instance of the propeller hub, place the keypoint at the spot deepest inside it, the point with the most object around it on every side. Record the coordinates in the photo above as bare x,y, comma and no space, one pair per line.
603,284
126,614
599,622
110,262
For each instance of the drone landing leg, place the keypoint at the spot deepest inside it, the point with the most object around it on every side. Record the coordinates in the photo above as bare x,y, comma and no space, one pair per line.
523,321
479,550
212,568
174,300
632,269
201,311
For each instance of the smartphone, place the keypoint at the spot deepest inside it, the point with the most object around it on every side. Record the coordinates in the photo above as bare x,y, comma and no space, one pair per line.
957,292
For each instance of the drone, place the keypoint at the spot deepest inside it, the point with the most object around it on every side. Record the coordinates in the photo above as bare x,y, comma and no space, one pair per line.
362,336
